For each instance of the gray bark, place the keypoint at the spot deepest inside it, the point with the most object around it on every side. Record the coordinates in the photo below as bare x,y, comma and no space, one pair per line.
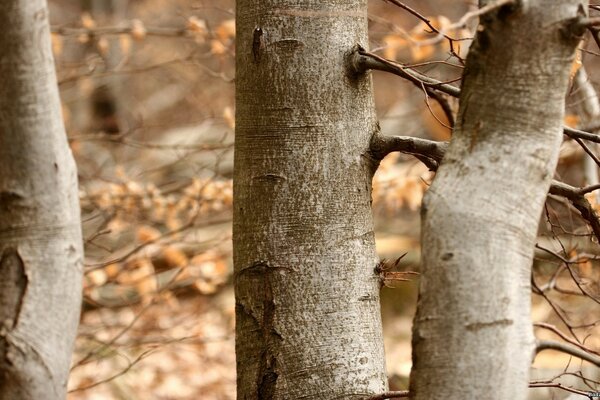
307,303
40,233
472,335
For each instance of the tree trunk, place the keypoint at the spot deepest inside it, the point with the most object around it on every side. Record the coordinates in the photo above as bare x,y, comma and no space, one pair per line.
472,336
307,302
40,232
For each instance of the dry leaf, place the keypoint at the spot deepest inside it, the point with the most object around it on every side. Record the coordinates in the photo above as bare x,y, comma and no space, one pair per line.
217,47
174,257
103,46
226,30
229,117
571,120
87,21
145,234
138,30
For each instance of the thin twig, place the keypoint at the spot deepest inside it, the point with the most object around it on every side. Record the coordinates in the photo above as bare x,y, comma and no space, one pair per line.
560,386
389,395
120,30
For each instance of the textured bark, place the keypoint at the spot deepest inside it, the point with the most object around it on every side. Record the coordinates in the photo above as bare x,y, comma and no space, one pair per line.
307,302
40,234
472,336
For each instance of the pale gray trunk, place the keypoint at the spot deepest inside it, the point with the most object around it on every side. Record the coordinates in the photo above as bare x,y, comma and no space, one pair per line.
307,302
589,110
40,233
472,335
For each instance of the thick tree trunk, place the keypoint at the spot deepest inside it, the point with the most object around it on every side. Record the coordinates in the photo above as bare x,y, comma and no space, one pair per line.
307,302
40,233
472,336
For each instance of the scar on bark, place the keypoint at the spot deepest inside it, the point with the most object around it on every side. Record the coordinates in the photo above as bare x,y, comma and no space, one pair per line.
261,274
482,325
13,287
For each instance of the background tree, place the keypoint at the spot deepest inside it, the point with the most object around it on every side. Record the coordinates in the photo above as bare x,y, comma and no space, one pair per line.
40,228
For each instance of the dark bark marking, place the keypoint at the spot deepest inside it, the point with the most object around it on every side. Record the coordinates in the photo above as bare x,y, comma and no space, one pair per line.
477,326
507,10
270,178
10,199
263,314
267,375
13,287
258,44
287,46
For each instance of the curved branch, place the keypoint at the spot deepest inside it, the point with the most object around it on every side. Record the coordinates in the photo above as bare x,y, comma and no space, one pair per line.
362,60
568,349
556,331
431,154
577,199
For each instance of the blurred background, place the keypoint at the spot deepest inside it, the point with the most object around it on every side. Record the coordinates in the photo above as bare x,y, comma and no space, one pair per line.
147,90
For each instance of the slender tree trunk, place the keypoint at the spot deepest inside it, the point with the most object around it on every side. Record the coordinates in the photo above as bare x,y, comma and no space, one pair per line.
307,302
472,336
589,110
40,233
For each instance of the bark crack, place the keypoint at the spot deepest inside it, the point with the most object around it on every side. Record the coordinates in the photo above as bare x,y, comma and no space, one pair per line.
263,314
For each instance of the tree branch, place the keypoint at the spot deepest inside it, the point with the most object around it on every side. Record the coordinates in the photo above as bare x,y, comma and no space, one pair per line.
361,61
577,199
431,153
462,21
389,395
576,133
120,30
556,331
559,386
568,349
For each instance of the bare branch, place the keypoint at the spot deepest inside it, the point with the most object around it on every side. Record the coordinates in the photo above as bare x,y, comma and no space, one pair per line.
568,349
120,30
389,395
577,199
431,153
461,22
560,386
427,151
563,336
361,61
482,11
595,21
576,133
